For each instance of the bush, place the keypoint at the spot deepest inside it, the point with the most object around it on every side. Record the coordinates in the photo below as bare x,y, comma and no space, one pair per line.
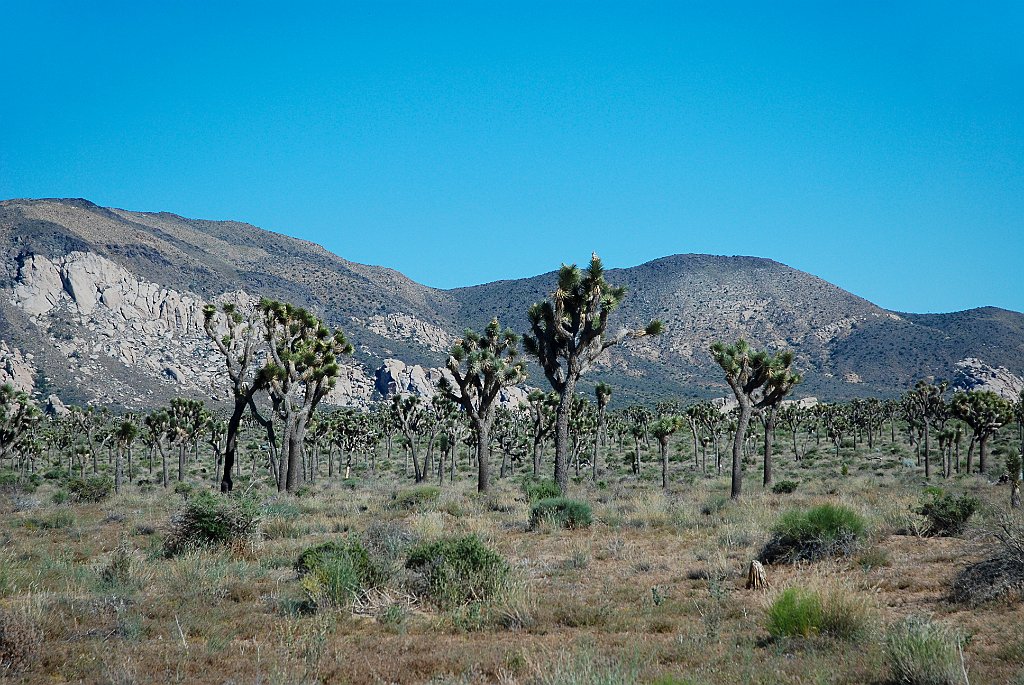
540,488
815,533
333,578
798,612
947,514
561,512
794,613
921,652
91,489
1001,575
416,497
784,487
209,519
456,571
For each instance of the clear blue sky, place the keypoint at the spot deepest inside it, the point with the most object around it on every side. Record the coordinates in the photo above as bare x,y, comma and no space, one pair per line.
879,145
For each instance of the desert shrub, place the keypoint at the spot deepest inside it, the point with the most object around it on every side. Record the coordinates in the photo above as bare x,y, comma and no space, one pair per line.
540,488
91,489
715,505
120,570
922,652
369,572
21,640
60,496
388,544
561,512
333,581
835,613
184,488
784,487
417,497
1000,576
457,570
815,533
947,514
59,519
8,481
796,612
209,519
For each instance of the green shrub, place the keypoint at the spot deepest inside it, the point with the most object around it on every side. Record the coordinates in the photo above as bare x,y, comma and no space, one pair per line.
417,497
561,512
332,582
455,571
91,489
794,613
209,519
784,487
815,533
799,612
540,488
350,549
715,505
9,481
947,514
921,652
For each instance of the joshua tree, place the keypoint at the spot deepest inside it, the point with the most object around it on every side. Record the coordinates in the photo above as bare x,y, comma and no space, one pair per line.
542,418
301,368
1013,470
793,416
603,394
568,333
159,427
188,419
412,418
481,365
238,339
985,412
758,380
125,434
924,405
662,429
18,415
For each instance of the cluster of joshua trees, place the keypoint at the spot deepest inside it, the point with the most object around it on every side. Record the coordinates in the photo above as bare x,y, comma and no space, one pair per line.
282,360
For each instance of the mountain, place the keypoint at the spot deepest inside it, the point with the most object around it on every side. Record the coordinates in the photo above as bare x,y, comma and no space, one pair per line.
105,305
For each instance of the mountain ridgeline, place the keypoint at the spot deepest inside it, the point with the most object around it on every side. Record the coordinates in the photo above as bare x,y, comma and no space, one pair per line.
103,305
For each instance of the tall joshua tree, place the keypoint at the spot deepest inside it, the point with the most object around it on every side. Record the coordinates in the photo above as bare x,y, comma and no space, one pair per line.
603,394
238,338
301,368
568,333
759,380
985,412
481,365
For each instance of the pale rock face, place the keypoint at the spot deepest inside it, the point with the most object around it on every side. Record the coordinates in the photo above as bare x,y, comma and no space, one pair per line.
395,377
15,369
399,326
55,407
974,374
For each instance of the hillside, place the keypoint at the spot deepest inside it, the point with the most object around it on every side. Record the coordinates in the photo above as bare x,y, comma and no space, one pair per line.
103,304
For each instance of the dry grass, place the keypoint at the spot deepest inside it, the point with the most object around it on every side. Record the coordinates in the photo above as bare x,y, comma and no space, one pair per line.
654,589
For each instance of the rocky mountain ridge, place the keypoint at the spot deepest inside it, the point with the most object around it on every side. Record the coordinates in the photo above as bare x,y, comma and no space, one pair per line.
105,305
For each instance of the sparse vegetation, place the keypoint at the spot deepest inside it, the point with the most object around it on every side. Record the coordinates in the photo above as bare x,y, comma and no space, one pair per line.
815,533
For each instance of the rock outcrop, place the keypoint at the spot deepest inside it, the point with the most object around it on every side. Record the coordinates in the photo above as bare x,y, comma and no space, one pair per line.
974,374
16,368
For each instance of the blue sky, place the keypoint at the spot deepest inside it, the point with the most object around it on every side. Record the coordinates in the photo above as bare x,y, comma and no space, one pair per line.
878,145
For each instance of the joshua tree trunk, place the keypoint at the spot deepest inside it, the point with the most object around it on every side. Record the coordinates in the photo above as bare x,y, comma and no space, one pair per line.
737,449
562,434
983,453
769,435
663,448
482,428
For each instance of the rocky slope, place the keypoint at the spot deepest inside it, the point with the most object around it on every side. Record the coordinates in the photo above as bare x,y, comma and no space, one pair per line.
105,305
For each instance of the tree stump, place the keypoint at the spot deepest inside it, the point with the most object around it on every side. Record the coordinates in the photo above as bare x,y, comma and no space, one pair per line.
756,578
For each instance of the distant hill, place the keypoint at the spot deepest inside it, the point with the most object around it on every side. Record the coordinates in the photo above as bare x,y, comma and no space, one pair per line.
103,304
